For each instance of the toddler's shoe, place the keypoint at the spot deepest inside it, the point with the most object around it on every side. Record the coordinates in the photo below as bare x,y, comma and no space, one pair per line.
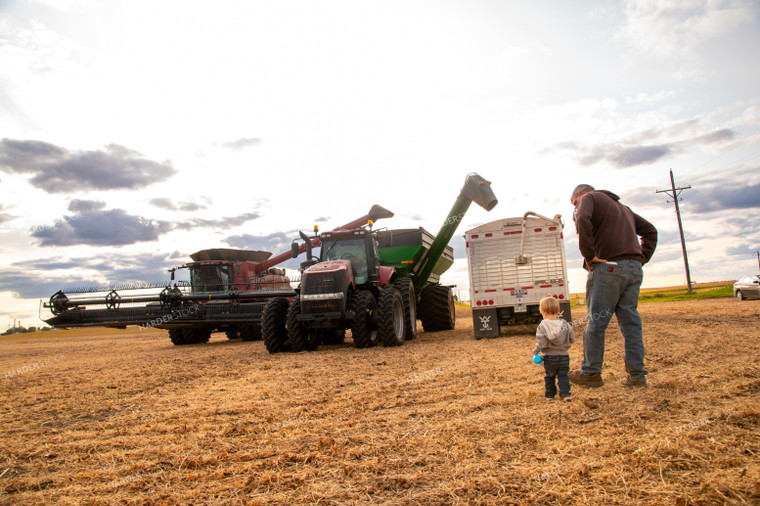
547,398
566,398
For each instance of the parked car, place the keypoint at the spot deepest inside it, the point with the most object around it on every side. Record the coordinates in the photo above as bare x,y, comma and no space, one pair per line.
747,288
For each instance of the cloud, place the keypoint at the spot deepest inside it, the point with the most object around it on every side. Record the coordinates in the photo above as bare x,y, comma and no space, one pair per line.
277,242
163,203
740,249
91,225
619,156
169,205
648,146
240,144
37,278
84,206
221,223
113,227
675,31
58,170
715,197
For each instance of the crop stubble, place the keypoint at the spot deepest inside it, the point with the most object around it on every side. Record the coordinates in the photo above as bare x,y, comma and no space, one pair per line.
129,418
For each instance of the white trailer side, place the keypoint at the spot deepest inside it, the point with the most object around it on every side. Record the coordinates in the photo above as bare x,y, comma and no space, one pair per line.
513,264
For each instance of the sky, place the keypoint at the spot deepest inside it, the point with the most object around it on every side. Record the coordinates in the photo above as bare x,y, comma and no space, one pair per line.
133,134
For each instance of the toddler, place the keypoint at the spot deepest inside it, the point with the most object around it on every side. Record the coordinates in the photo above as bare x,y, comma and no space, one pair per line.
553,338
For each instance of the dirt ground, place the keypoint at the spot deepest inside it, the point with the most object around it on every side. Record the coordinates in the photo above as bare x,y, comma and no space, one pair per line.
109,417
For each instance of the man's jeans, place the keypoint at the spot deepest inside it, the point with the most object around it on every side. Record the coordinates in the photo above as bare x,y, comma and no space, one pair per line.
557,366
613,289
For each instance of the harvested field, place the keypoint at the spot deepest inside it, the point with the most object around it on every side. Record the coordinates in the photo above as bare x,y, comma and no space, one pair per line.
125,417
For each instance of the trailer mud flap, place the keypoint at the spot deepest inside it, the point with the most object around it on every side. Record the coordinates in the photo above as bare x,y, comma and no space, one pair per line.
485,323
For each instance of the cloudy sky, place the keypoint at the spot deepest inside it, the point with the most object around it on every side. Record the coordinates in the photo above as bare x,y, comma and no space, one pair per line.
135,133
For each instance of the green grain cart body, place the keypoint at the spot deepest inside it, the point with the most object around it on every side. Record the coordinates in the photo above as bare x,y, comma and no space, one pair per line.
403,250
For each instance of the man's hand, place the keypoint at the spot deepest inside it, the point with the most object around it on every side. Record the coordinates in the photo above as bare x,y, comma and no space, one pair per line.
595,260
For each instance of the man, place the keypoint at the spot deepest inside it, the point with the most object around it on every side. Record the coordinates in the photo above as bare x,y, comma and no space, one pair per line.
608,237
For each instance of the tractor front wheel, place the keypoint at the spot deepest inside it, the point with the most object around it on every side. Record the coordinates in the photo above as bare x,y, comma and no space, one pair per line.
273,329
390,317
301,338
437,310
362,327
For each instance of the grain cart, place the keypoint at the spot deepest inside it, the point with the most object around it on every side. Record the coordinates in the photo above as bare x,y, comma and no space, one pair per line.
227,291
513,264
370,281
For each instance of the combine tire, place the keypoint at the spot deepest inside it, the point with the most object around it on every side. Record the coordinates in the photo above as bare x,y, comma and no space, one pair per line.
196,336
362,327
273,329
406,288
437,310
177,337
250,333
390,317
301,338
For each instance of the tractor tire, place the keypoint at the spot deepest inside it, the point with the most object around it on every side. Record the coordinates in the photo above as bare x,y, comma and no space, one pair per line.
301,338
196,336
233,333
391,320
273,329
250,333
437,310
739,295
406,288
363,327
177,337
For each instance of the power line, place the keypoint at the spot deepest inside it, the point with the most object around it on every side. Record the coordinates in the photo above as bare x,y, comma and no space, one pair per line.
673,193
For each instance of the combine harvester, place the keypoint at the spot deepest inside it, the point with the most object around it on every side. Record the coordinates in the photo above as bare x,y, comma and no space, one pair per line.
370,282
227,292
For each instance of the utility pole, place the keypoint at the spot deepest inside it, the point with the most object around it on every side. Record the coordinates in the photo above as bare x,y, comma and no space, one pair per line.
673,193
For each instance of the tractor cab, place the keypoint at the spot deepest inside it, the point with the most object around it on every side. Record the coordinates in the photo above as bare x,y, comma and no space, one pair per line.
357,246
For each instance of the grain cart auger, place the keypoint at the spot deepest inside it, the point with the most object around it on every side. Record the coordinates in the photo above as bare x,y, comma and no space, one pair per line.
421,259
227,291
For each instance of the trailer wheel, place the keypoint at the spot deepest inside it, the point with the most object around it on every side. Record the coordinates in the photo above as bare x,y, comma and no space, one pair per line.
177,337
390,317
437,310
250,333
233,333
273,329
301,338
406,288
363,305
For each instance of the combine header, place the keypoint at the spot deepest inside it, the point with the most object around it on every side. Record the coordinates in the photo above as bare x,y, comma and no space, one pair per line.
227,292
